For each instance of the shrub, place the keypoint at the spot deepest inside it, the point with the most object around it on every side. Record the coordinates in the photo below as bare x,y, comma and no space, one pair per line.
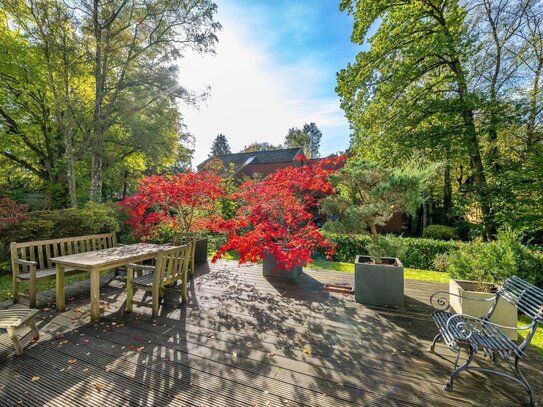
40,225
417,252
468,231
494,261
441,262
440,232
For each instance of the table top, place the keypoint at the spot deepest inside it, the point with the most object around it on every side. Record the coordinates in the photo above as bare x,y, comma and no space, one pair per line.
106,257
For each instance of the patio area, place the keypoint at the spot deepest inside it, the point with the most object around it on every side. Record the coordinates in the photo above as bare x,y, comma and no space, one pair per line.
242,340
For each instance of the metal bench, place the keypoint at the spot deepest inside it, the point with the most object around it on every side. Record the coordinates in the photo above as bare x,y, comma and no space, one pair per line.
479,334
31,261
11,319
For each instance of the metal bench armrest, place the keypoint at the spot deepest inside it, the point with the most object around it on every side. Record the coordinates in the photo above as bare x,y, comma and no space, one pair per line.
25,262
465,325
443,304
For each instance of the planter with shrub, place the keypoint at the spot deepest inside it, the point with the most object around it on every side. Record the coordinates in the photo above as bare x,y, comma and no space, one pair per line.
478,268
273,222
467,291
379,283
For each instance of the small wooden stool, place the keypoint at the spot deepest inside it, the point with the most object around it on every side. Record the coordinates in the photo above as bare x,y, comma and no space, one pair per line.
11,319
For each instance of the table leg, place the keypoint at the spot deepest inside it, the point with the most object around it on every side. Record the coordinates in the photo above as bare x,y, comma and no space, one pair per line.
95,294
60,288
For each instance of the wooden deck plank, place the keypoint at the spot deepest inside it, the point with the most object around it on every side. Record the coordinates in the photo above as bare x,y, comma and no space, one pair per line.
241,335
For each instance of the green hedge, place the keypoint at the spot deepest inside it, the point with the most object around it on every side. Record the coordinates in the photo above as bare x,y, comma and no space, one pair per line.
40,225
440,232
419,253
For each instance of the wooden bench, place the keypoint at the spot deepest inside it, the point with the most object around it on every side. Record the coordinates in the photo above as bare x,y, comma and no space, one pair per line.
11,319
31,261
479,334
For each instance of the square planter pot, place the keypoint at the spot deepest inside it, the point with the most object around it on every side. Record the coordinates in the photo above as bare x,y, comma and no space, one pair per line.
270,269
200,253
505,313
380,284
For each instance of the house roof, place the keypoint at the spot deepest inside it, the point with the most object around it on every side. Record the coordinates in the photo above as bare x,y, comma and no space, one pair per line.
239,160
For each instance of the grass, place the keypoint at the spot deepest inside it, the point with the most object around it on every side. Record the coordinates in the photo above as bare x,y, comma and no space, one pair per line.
6,284
410,274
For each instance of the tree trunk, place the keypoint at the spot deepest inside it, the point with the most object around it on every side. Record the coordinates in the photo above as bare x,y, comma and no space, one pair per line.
373,230
474,150
70,168
447,194
424,212
95,193
530,141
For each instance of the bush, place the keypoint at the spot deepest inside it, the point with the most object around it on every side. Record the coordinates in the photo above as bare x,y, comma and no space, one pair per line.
417,252
468,231
494,261
40,225
440,232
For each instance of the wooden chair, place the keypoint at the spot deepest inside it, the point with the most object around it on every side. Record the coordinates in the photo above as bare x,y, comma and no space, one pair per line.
171,267
11,319
190,239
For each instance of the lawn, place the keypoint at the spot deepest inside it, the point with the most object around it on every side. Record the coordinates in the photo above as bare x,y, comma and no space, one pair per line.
6,284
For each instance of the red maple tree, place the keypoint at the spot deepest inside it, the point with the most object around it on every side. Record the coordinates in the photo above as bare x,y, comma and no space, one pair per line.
274,215
185,202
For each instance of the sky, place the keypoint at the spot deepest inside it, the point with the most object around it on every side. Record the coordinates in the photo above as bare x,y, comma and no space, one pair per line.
274,68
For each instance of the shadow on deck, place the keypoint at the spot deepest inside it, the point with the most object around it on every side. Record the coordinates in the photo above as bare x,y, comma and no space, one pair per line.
242,340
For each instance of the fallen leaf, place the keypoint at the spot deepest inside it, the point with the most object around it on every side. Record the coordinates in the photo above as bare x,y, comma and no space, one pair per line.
99,386
235,354
307,351
72,361
85,370
17,376
61,369
85,398
2,386
35,378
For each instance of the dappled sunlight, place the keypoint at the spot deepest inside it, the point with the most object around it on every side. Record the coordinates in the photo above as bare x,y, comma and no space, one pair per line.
242,339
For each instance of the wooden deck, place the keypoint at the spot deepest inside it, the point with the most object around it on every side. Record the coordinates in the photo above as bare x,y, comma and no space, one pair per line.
242,340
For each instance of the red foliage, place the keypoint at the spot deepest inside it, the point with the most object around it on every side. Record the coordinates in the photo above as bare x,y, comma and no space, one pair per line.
274,218
182,202
11,212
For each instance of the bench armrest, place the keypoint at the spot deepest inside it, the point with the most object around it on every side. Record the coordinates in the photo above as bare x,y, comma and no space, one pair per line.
25,262
142,267
467,324
443,304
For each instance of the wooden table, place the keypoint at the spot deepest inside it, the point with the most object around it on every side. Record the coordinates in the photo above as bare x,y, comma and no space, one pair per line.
96,261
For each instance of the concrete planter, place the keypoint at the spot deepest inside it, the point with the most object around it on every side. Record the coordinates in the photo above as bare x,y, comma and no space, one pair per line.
505,313
200,253
270,269
380,284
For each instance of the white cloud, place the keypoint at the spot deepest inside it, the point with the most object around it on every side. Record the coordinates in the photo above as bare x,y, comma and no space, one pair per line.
253,96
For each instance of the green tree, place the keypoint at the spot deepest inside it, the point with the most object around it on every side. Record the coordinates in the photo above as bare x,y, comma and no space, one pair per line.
133,45
413,81
220,146
308,139
369,195
257,146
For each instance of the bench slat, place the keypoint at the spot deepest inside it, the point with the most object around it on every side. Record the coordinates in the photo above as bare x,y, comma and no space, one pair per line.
40,274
